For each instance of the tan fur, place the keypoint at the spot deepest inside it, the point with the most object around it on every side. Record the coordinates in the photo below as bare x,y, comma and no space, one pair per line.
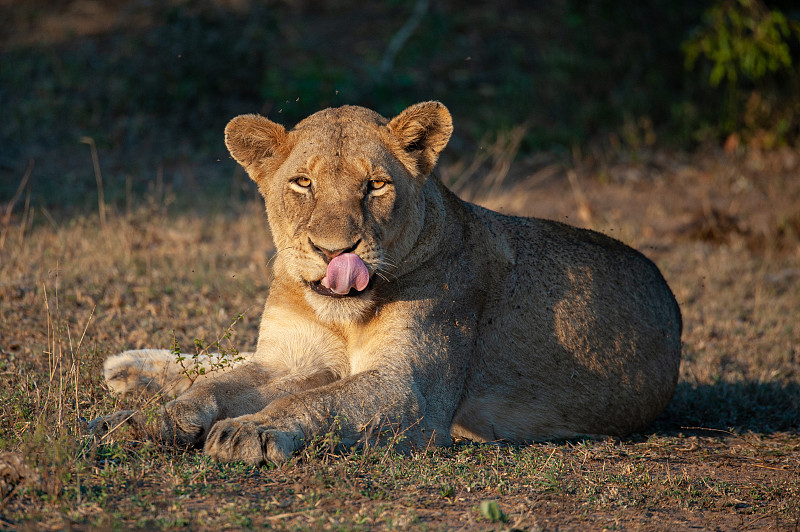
149,372
475,324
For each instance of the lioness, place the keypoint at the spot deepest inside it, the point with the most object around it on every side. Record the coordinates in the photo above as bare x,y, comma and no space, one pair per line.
397,305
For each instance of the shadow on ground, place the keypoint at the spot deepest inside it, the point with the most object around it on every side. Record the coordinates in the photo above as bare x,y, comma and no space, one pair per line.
761,407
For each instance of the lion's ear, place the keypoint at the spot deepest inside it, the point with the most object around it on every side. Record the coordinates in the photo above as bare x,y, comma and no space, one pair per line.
423,131
256,143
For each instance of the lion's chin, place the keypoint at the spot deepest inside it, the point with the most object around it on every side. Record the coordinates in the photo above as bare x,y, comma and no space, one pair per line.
331,307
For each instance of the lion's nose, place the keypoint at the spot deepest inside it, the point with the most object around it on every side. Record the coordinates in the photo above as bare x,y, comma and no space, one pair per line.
329,254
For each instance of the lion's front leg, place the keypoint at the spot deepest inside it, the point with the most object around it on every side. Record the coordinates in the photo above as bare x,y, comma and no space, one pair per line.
360,405
243,390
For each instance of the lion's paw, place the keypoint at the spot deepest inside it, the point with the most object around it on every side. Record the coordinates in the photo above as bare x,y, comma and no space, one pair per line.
104,425
184,423
239,439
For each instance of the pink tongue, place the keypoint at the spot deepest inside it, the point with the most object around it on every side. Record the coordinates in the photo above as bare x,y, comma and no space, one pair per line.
346,271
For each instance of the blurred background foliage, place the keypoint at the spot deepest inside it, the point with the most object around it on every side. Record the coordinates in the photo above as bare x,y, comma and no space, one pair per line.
154,82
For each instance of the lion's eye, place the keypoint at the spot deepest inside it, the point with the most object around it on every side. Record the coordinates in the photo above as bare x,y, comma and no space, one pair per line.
376,184
302,181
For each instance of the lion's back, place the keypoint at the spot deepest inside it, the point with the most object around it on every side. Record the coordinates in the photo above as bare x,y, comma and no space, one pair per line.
583,338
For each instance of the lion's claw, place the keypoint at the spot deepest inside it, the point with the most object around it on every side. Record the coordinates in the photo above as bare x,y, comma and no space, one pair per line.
246,441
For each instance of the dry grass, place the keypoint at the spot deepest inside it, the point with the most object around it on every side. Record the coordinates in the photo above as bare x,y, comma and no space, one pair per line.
725,455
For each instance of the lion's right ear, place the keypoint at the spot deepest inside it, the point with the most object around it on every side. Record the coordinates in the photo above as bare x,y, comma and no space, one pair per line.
257,143
422,132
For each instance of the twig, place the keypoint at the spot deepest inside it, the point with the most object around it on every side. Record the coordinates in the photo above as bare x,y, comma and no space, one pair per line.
768,467
18,194
480,157
131,415
49,217
729,433
27,216
402,35
754,521
50,349
505,149
285,515
546,462
584,207
101,204
76,353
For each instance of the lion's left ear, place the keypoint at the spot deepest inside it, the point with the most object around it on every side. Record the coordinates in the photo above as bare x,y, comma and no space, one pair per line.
422,131
257,143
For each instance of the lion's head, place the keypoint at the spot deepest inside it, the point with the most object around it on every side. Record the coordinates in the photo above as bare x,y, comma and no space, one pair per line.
343,192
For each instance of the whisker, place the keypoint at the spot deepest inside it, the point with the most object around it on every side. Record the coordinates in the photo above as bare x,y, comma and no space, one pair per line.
389,269
389,277
388,266
275,254
384,261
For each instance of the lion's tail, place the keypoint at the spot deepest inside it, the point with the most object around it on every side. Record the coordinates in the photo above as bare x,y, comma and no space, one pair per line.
152,371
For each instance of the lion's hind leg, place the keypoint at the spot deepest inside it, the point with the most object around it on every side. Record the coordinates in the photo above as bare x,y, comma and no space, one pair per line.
148,372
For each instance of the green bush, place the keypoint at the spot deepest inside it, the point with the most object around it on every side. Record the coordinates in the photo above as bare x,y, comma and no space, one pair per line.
747,48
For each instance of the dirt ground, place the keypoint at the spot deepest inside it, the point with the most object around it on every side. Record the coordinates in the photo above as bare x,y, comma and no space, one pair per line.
723,227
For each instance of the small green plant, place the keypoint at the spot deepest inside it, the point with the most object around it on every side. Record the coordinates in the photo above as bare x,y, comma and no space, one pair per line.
447,491
491,511
201,361
323,445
